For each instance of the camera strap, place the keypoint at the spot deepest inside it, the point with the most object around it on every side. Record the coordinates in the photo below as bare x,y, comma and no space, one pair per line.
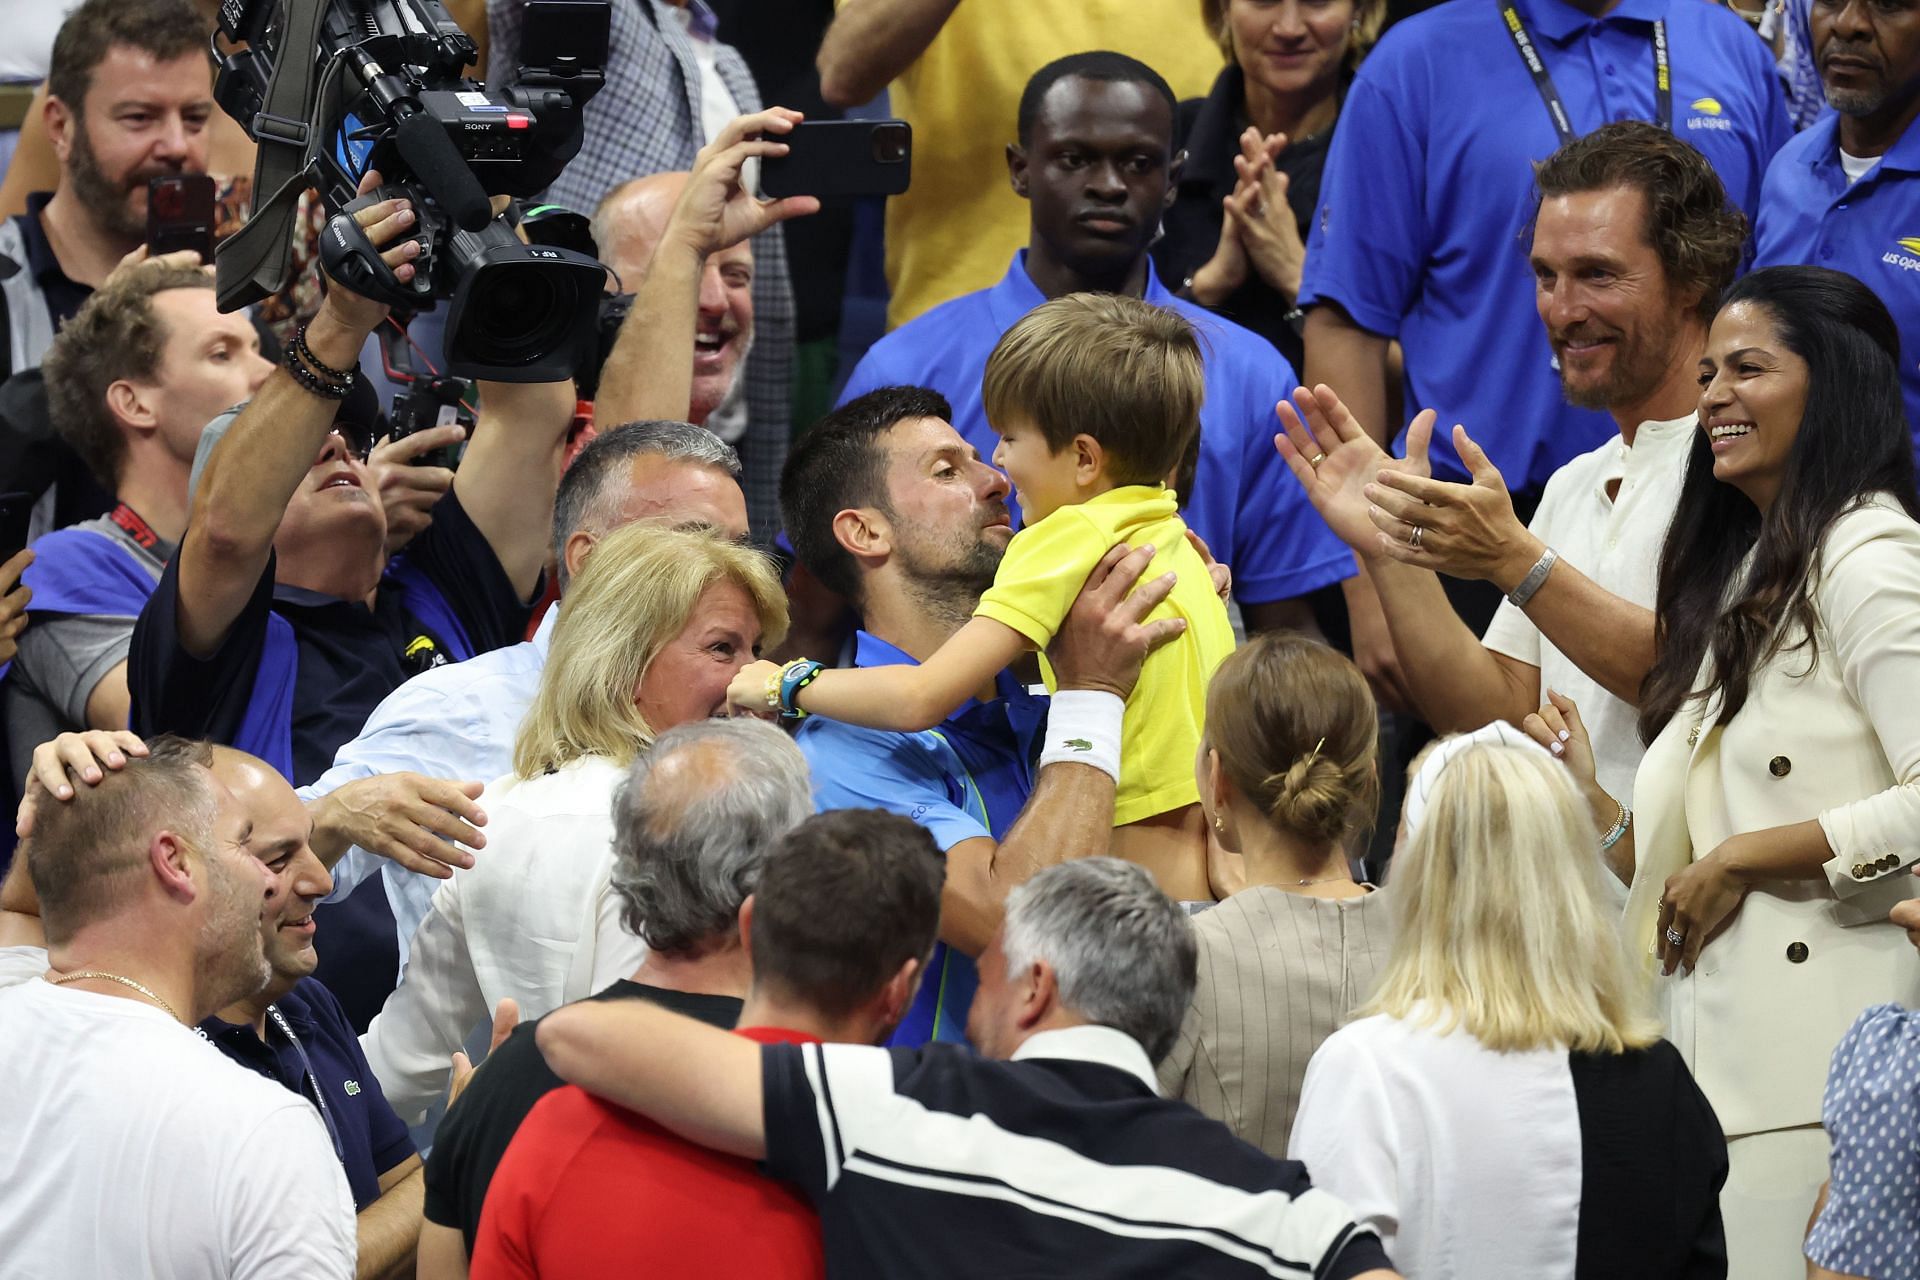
1550,93
253,264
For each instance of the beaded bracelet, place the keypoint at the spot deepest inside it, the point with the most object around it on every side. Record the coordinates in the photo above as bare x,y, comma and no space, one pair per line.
320,366
1618,829
312,381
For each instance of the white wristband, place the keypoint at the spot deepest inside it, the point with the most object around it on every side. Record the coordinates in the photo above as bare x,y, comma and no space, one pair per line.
1083,727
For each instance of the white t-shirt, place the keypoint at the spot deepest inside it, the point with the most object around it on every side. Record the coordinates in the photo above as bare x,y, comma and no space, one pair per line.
136,1149
1466,1161
1616,542
1856,167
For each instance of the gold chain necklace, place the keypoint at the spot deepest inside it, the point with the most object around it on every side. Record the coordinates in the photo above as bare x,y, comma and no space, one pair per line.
125,982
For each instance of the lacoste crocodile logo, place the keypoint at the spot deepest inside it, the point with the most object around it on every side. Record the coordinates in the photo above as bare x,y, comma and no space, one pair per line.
1078,744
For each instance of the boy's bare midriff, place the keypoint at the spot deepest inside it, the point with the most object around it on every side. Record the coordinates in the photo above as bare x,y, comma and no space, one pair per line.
1172,847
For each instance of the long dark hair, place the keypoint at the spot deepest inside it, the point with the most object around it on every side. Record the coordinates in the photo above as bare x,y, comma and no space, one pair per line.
1854,441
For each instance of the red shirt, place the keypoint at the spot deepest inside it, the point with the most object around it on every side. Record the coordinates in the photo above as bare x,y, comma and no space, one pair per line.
588,1189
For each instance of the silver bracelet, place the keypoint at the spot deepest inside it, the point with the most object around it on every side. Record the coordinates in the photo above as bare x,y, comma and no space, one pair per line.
1535,576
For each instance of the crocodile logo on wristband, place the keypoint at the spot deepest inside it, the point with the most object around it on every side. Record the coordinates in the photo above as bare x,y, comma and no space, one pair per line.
1078,744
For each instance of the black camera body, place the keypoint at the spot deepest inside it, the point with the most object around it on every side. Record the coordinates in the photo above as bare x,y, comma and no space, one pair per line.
432,402
386,89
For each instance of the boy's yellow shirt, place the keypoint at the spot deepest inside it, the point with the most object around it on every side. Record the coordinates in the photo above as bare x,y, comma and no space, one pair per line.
1046,565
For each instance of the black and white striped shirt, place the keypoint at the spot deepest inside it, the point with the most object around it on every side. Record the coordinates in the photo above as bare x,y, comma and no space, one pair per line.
932,1162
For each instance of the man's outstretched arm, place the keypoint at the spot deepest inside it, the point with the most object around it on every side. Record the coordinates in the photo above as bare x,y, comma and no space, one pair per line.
699,1081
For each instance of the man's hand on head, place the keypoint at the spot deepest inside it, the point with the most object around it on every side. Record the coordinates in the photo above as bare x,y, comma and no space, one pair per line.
412,820
716,211
1106,637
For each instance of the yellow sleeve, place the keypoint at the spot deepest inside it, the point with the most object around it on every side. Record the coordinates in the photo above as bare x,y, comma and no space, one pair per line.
1041,575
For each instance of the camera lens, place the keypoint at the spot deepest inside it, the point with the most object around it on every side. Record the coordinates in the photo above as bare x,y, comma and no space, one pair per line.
516,315
890,143
523,313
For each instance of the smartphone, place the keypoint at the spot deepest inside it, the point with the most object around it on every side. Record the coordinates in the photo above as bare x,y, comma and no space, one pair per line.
16,522
180,214
841,158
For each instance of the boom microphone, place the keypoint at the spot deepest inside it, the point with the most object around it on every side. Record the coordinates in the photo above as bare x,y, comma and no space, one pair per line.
423,143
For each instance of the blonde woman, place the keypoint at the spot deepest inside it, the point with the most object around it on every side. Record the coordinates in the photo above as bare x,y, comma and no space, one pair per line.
1287,768
1505,1105
650,634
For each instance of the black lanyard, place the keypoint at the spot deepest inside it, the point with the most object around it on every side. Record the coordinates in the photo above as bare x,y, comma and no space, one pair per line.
1543,79
313,1080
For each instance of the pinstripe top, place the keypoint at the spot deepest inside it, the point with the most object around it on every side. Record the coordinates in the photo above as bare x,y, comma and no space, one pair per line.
1279,972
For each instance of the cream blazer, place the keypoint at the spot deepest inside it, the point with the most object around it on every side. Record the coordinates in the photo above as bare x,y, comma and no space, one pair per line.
1758,1019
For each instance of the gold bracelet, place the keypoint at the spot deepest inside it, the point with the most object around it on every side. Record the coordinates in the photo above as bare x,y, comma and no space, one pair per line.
773,689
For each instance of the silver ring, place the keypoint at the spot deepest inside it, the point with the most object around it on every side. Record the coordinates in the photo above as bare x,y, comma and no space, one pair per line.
1676,937
1413,539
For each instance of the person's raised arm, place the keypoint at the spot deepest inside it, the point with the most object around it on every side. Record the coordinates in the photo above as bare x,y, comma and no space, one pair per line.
699,1081
873,41
510,473
715,212
256,469
1471,531
1455,681
1097,651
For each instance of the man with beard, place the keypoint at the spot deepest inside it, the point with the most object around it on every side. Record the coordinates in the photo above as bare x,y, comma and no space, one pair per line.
1633,240
1097,163
1846,193
291,1031
888,507
129,95
136,1149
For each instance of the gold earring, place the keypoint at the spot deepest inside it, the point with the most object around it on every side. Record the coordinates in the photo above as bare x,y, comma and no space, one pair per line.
1219,825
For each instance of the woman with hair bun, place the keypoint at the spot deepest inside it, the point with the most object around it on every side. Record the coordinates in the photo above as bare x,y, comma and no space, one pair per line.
1286,771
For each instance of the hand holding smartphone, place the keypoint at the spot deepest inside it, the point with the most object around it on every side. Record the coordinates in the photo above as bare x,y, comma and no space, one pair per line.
180,215
841,158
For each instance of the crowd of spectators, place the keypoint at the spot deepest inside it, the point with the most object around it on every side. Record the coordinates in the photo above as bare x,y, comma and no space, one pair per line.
1332,697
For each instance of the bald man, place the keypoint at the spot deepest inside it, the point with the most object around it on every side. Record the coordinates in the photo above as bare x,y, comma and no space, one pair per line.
679,243
628,227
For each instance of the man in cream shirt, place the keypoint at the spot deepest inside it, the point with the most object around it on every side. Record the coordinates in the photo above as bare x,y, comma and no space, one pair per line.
1632,244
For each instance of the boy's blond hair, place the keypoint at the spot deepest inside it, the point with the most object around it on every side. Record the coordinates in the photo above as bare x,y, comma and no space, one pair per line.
1123,371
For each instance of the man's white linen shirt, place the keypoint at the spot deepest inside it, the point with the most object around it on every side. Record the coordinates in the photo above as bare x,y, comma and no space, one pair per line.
136,1148
534,918
456,722
1616,542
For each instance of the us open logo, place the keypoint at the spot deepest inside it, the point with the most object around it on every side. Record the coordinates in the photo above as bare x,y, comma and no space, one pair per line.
1711,115
1907,257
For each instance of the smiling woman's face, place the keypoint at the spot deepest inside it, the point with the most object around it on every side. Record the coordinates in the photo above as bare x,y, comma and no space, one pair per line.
688,679
1753,395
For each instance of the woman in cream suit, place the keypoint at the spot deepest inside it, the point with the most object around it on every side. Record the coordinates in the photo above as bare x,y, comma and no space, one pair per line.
1779,800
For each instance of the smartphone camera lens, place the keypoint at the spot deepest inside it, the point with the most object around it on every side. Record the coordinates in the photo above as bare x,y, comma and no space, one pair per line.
890,142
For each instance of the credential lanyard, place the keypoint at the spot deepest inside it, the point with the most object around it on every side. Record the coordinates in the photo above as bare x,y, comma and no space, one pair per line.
313,1080
1550,94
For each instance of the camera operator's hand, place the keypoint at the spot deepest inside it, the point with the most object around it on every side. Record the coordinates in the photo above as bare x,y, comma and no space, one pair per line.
139,260
353,316
716,211
409,490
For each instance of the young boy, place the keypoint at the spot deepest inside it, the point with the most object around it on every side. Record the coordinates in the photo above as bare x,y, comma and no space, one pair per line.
1096,399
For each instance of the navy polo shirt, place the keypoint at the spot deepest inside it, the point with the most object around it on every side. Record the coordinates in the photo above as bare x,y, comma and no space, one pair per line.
1427,201
1250,511
968,778
1870,230
367,1135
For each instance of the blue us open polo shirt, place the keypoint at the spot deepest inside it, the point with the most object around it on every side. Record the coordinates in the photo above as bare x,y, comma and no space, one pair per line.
1870,230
